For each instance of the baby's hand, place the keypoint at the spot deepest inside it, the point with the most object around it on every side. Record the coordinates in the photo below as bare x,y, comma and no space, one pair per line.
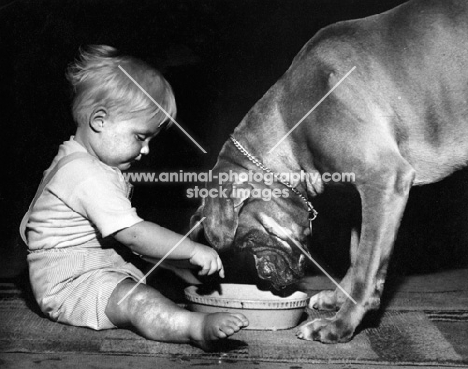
208,259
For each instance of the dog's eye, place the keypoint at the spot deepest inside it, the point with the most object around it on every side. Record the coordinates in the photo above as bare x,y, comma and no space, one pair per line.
272,227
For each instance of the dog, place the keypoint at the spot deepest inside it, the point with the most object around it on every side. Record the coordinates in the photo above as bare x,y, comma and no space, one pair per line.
399,119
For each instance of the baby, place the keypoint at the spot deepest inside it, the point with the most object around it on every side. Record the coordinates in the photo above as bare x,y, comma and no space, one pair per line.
82,214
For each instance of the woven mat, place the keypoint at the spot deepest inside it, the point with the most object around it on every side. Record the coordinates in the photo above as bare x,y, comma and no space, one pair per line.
398,337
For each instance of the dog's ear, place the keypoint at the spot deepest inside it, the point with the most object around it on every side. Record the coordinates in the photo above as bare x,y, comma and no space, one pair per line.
197,234
221,214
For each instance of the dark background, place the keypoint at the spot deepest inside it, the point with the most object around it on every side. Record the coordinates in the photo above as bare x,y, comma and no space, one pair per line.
220,57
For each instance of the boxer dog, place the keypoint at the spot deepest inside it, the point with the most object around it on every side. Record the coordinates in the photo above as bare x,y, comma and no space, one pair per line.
399,119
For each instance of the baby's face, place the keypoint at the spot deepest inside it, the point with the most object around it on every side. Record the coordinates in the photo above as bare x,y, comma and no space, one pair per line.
125,139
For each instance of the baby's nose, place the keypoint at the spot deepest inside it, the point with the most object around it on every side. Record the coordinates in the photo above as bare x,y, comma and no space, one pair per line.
144,149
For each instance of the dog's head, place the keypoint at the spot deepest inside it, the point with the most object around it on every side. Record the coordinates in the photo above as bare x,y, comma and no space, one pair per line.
240,217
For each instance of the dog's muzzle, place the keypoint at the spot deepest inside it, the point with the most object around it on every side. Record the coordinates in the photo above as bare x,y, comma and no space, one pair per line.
274,261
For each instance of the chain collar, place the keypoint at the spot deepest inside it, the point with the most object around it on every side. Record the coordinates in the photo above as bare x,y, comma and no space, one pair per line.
312,212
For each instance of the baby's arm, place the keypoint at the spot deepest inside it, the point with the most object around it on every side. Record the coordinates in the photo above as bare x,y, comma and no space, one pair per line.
154,241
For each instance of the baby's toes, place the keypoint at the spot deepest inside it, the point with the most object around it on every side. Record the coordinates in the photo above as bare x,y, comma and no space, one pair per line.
232,325
241,320
222,325
223,332
228,330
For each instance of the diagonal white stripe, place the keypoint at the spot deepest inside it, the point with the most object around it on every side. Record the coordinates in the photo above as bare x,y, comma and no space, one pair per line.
164,111
279,228
163,258
311,110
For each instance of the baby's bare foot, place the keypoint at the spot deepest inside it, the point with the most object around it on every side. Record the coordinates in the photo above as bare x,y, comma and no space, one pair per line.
222,325
217,326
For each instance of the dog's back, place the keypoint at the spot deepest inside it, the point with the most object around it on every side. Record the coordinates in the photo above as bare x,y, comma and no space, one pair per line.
410,77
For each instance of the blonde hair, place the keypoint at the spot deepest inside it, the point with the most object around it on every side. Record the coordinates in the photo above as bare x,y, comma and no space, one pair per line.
96,80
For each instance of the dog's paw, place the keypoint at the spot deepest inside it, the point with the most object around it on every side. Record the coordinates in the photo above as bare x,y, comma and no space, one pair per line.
325,330
325,300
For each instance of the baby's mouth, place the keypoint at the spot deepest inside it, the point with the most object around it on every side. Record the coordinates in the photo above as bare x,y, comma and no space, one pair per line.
135,160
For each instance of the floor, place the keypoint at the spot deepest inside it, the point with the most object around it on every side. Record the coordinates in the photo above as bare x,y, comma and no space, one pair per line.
43,361
413,286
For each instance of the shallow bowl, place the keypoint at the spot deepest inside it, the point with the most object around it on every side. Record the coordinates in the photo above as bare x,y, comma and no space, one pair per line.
263,309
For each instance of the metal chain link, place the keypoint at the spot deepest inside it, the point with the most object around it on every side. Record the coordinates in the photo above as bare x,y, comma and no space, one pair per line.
312,212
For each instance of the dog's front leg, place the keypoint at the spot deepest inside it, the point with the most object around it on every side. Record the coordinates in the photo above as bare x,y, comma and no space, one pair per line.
332,300
383,197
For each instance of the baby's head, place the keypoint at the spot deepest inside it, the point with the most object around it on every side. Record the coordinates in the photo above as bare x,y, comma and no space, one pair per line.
110,105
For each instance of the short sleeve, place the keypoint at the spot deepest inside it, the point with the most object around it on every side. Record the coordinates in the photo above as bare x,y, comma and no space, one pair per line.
96,192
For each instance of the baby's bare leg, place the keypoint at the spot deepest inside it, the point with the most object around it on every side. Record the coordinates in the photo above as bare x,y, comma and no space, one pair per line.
158,318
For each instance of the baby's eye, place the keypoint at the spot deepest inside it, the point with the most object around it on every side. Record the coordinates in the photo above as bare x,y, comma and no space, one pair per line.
140,137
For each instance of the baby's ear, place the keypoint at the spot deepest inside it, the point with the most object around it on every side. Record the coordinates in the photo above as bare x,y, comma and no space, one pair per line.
97,119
